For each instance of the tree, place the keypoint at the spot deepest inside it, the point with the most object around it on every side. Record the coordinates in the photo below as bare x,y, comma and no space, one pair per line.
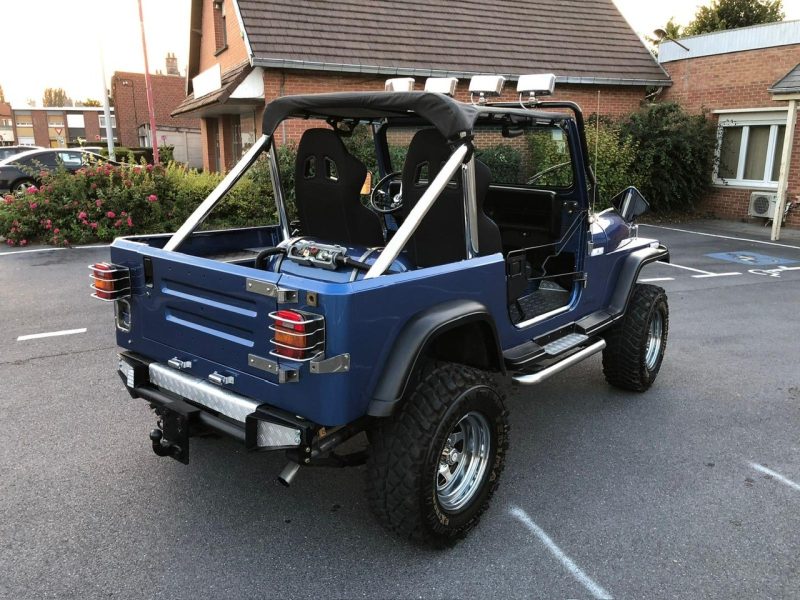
732,14
56,97
673,29
91,102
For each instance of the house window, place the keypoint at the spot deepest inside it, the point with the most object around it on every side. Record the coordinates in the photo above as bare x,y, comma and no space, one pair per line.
749,149
220,25
102,119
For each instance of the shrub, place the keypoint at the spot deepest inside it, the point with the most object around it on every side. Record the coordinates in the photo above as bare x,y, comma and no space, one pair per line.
613,157
674,154
503,161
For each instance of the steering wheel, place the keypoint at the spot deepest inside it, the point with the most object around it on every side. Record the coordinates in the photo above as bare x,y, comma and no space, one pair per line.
381,199
534,177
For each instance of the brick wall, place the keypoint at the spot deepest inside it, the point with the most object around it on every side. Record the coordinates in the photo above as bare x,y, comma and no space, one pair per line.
235,52
615,101
735,80
40,132
130,104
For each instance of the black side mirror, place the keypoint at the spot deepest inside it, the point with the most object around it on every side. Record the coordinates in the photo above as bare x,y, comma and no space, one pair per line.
630,203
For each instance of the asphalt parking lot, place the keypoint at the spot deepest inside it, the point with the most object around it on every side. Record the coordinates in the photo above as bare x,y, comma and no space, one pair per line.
691,490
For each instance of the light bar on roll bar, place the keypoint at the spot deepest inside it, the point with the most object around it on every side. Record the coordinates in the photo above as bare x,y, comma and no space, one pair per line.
539,84
486,85
442,85
399,84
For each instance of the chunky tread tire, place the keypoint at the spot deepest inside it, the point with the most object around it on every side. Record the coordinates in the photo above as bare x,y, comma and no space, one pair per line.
624,364
405,451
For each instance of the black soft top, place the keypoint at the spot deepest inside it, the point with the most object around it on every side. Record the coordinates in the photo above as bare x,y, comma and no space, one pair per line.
452,118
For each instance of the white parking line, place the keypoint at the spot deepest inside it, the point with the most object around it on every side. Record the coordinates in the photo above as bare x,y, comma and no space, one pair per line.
54,249
654,279
703,274
36,336
596,590
724,237
775,475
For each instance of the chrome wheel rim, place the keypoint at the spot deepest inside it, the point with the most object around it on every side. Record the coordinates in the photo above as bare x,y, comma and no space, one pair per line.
21,187
463,462
654,334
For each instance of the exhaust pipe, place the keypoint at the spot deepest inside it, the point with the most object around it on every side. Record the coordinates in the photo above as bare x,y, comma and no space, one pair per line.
288,474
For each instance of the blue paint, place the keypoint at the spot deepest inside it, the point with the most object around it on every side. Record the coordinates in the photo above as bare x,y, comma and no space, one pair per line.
745,257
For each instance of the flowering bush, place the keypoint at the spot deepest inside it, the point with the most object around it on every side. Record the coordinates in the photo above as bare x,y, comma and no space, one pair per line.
101,202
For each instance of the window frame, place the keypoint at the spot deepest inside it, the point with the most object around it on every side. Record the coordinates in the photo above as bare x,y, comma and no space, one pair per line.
772,118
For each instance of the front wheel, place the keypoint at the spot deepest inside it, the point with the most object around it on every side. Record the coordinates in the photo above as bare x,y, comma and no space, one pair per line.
435,464
21,185
635,346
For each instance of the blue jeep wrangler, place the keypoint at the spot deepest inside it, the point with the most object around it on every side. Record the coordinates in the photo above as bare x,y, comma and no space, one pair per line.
392,309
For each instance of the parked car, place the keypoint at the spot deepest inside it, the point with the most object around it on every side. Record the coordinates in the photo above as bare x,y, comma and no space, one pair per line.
299,340
20,171
9,151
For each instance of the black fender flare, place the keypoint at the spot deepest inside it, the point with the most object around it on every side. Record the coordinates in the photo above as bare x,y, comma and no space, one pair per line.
418,335
629,273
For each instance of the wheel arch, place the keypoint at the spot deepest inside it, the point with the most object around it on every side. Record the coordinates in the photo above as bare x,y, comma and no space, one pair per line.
629,273
461,331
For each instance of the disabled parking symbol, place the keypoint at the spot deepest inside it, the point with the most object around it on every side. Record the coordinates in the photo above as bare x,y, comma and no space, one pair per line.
751,258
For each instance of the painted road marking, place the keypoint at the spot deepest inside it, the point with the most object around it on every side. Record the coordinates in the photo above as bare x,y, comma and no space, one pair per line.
54,249
596,590
703,274
724,237
775,475
654,279
776,272
36,336
751,258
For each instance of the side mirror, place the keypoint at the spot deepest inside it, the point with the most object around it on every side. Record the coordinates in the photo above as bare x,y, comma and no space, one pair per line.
630,203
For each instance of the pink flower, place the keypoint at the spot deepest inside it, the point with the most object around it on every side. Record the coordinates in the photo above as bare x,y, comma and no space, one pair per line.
23,242
47,223
93,225
94,187
137,170
33,205
149,168
152,198
123,214
32,190
82,215
8,199
118,223
98,203
10,242
130,222
128,183
110,214
56,231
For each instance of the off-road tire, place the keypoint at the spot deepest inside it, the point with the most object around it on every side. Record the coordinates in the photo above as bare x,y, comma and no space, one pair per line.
20,185
625,357
406,449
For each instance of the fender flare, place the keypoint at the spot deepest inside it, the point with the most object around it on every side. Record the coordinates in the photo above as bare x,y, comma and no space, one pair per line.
416,337
629,273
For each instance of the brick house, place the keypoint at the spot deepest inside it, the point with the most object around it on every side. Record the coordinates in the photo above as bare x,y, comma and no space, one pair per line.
743,77
244,53
58,127
133,121
6,125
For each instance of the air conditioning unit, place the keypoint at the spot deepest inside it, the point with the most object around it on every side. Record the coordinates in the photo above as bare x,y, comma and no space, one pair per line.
762,204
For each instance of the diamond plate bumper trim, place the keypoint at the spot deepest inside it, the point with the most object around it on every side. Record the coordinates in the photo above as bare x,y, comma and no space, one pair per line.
197,390
271,435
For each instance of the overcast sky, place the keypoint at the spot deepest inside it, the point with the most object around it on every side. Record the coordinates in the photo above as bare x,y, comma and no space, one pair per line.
56,43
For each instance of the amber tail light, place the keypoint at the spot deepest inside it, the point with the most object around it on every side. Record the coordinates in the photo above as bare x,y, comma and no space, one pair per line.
297,335
109,281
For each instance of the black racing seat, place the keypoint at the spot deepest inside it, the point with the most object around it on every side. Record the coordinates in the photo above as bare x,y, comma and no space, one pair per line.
440,237
328,181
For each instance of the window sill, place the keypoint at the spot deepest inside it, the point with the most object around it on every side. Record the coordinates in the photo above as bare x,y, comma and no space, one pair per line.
221,50
768,186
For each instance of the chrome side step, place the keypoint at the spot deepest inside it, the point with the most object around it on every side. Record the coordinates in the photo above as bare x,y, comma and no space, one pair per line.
572,359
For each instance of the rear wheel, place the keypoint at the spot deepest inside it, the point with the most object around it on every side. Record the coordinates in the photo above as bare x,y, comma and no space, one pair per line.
21,185
435,464
635,346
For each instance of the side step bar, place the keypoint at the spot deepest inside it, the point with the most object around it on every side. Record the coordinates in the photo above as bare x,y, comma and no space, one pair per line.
540,376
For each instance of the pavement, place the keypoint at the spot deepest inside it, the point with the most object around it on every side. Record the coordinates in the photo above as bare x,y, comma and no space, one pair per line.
689,490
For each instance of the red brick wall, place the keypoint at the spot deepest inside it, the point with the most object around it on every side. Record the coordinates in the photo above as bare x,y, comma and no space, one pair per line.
235,52
735,80
615,101
40,133
91,122
130,104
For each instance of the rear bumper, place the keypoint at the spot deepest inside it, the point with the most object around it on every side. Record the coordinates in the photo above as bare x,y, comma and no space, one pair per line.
188,405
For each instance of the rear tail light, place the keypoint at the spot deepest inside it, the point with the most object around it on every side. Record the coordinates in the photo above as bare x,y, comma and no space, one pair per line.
297,335
110,282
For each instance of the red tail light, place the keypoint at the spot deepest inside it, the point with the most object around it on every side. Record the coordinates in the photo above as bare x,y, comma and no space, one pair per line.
110,282
297,335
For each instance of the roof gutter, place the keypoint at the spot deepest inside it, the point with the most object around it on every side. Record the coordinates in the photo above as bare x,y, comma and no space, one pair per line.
303,65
